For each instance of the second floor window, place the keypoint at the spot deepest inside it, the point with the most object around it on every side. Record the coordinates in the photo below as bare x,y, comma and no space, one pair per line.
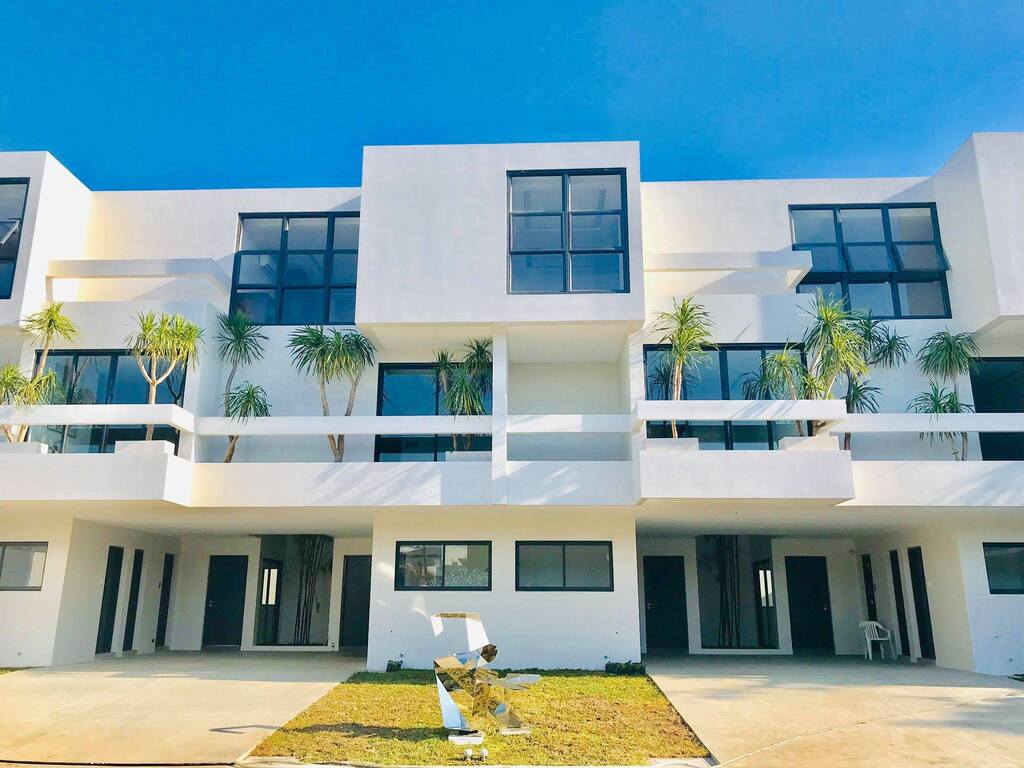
882,259
412,389
730,373
297,269
12,211
567,232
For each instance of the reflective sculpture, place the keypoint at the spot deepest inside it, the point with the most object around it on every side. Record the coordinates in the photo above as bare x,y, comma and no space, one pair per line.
468,671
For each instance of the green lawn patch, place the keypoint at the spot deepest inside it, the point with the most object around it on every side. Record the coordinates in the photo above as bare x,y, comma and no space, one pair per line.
5,670
576,717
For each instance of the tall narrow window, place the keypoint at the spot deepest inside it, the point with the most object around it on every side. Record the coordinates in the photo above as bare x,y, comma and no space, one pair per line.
13,193
882,259
297,269
567,232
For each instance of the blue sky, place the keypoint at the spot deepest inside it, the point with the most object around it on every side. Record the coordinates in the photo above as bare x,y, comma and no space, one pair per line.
176,94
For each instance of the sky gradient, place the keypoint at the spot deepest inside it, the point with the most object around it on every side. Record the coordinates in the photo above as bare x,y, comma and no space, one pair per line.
175,95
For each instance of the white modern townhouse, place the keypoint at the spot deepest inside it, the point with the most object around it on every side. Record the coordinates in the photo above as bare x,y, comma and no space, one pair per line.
597,489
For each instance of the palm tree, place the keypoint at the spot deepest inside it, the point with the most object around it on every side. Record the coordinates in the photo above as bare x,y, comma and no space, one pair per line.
936,400
445,366
19,390
244,402
883,348
239,342
160,345
687,332
835,346
948,356
330,355
479,361
46,326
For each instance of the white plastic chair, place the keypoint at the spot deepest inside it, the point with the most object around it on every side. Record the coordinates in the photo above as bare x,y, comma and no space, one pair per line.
874,632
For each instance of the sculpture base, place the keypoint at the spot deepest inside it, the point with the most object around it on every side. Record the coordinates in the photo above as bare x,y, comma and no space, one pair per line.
466,739
514,731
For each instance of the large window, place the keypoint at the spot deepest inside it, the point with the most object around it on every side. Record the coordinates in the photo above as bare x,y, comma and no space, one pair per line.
567,231
104,377
12,210
997,384
730,373
411,389
1005,566
436,565
297,269
569,566
883,259
21,565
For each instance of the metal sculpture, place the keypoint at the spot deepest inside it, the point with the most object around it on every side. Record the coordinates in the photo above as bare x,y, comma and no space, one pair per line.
468,671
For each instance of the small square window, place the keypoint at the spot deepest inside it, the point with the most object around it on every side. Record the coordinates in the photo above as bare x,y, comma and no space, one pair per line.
343,306
828,291
307,234
824,258
259,305
597,272
12,200
257,268
911,224
1004,564
875,298
302,306
304,269
862,225
343,269
346,233
924,257
536,193
538,273
540,566
869,258
600,231
588,566
22,565
922,299
595,192
813,226
260,234
536,233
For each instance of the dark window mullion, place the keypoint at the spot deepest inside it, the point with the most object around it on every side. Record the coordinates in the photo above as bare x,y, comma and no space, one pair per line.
566,236
897,310
282,255
565,580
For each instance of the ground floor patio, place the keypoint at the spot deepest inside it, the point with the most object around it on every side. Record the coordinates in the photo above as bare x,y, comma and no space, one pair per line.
798,711
165,708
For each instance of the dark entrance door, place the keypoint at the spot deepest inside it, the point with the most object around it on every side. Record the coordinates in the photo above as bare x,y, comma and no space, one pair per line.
165,600
268,618
133,601
108,605
225,600
355,602
869,587
901,607
665,602
921,612
997,386
810,610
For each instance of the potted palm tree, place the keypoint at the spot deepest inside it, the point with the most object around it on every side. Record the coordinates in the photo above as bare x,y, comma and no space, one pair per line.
161,344
240,342
946,357
244,402
331,355
687,332
40,386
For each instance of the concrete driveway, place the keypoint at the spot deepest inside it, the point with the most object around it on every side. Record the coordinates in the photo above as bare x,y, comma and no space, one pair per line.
160,708
765,712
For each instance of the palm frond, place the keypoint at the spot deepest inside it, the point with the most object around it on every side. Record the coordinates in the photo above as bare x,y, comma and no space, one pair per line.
687,332
947,356
50,324
463,397
240,340
247,401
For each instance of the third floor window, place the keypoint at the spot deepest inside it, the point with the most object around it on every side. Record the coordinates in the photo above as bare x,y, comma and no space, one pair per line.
567,232
882,259
12,210
297,269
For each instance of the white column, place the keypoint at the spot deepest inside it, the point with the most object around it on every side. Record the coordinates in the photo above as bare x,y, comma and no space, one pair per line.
499,421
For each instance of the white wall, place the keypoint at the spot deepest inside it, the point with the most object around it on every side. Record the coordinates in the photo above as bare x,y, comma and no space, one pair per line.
29,625
83,589
433,237
531,629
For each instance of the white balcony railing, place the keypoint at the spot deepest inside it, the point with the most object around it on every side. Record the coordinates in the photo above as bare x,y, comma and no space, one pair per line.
741,410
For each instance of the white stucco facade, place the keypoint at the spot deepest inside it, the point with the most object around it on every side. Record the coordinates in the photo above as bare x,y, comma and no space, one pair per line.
574,455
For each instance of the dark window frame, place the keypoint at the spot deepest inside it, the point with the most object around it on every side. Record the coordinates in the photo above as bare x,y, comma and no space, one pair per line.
116,358
279,286
564,543
7,294
381,368
567,250
46,555
985,546
723,368
899,274
443,543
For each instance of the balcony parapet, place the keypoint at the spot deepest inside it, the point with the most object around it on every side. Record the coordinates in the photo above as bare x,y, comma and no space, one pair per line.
740,410
106,269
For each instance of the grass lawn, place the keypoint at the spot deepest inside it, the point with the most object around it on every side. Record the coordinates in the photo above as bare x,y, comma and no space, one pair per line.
5,669
577,718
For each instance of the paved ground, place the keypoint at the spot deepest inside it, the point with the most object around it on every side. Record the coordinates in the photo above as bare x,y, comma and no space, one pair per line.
166,707
765,712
